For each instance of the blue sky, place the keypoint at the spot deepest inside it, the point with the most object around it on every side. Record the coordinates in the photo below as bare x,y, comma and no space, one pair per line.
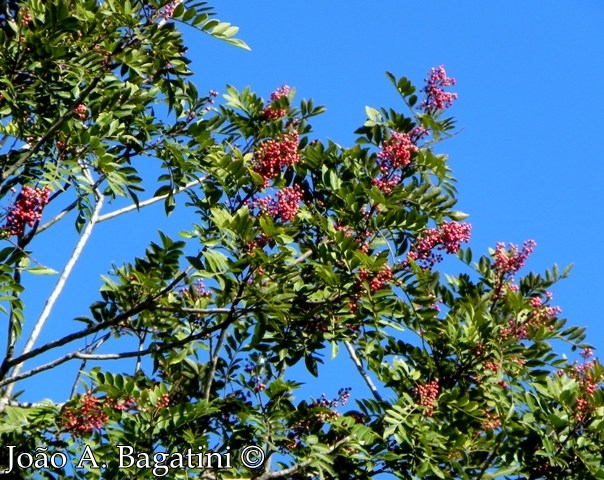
527,156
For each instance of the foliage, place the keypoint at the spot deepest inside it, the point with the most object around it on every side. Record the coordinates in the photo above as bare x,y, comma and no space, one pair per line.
299,248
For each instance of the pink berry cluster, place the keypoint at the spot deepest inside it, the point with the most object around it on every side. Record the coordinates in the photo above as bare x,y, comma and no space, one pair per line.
396,152
491,421
386,185
163,401
377,281
508,261
272,113
362,239
81,111
199,290
273,155
436,97
589,381
324,411
27,18
259,242
342,399
447,237
427,395
539,316
86,417
26,210
284,207
168,10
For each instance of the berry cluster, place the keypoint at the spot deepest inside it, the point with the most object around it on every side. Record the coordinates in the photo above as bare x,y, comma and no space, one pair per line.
27,18
436,97
427,396
447,237
396,152
273,155
379,280
284,207
90,415
168,9
540,316
324,411
272,113
589,381
386,185
27,209
508,262
282,91
163,401
492,420
361,239
81,111
491,366
199,290
343,397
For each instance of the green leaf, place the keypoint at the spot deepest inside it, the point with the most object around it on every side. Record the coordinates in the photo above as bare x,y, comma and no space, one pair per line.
41,270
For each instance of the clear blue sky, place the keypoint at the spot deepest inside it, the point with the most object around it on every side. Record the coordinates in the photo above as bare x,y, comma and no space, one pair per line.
528,155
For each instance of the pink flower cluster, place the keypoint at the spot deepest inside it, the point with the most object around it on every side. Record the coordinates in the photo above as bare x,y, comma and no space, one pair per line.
282,91
427,394
396,152
284,207
379,280
272,113
436,97
508,262
273,155
589,382
168,9
448,238
81,111
540,316
491,421
90,414
27,209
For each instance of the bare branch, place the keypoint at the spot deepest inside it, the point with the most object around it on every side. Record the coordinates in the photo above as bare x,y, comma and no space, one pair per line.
50,302
144,305
148,202
117,356
213,364
355,359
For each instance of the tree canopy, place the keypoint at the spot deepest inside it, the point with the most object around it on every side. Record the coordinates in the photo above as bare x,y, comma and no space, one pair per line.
299,250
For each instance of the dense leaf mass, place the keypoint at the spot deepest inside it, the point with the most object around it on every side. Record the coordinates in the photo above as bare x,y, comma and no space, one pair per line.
296,247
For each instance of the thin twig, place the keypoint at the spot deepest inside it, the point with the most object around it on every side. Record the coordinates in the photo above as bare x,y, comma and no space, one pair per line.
213,364
361,369
148,202
230,319
92,348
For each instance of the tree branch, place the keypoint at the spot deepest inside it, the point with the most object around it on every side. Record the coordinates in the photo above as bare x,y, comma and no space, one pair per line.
355,359
50,302
117,356
149,201
146,304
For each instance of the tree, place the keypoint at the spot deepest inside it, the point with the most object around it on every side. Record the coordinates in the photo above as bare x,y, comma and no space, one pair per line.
298,248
